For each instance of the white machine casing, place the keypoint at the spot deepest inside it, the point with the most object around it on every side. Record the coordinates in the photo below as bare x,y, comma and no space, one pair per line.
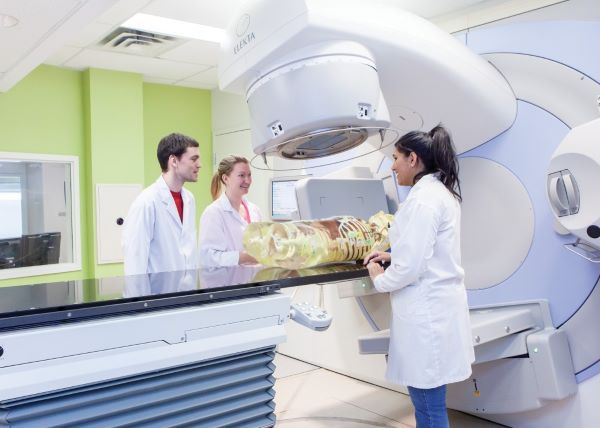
573,177
307,67
320,197
60,357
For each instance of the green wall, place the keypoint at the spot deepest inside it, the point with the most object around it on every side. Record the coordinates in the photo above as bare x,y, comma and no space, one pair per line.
188,111
44,114
112,121
115,141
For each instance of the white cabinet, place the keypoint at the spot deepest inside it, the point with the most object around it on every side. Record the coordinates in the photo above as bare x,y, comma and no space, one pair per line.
112,203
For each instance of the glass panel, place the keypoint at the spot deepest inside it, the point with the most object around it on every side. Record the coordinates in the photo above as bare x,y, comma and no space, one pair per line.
37,214
10,206
72,300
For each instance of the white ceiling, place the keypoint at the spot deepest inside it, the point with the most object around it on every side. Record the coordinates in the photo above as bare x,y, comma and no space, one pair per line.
192,63
66,33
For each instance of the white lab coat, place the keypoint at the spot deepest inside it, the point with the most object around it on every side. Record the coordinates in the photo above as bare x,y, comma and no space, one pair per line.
154,238
221,232
430,333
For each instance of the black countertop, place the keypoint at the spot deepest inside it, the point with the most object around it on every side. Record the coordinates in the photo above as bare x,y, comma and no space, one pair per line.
30,305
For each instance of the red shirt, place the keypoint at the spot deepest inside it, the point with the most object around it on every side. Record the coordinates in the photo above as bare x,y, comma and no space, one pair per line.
178,203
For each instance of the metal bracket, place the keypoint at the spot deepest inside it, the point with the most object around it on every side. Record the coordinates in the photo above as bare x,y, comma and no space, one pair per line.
584,250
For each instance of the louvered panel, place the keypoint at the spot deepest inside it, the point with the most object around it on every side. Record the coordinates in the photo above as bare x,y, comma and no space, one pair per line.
137,42
155,385
230,391
211,381
231,414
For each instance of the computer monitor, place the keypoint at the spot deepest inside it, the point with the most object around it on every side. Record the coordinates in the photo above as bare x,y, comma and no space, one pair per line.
40,249
10,251
31,250
282,197
52,247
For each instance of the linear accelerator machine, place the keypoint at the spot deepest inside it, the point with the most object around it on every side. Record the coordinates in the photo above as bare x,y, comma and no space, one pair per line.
322,77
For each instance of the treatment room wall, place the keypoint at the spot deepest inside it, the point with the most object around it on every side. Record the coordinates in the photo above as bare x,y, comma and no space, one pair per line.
112,122
113,105
177,109
44,114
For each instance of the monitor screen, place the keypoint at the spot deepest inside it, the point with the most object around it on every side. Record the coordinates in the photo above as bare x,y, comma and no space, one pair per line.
10,253
283,198
40,249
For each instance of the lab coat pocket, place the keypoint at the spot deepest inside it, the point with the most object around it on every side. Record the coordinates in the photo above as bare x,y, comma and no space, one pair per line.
409,302
412,354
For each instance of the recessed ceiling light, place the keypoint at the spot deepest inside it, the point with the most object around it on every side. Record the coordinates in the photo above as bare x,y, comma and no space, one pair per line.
7,21
174,27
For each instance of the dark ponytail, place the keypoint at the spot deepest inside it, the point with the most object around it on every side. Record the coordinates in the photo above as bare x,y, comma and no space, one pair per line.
437,153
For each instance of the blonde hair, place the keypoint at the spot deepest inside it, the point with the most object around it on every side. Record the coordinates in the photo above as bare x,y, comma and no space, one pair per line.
225,167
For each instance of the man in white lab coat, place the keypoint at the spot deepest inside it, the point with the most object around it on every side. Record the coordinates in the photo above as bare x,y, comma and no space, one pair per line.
160,229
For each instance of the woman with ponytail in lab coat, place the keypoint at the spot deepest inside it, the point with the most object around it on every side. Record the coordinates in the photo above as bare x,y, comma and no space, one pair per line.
430,334
223,222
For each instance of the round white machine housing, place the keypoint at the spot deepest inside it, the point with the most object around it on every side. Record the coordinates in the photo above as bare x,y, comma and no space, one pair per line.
351,115
328,64
573,177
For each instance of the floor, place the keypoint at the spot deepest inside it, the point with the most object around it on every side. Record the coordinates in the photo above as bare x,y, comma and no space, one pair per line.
309,397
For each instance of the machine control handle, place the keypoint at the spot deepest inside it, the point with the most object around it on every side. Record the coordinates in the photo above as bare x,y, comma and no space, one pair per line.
310,316
572,191
557,194
563,193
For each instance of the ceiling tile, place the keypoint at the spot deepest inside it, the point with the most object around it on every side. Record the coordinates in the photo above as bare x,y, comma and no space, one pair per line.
64,54
44,28
194,51
209,77
37,23
91,34
134,64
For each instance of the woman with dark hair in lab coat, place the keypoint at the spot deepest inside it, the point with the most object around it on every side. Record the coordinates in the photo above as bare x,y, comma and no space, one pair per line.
430,334
223,222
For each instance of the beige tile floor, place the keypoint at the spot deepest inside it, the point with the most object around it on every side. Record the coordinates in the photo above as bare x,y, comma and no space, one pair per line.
308,396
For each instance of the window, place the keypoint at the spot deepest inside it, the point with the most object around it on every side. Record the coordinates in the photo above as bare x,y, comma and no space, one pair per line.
10,206
39,201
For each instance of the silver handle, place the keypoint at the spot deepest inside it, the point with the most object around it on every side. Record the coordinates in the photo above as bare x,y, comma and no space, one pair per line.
571,192
556,184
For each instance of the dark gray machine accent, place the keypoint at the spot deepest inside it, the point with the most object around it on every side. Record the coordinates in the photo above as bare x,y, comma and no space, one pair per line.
233,391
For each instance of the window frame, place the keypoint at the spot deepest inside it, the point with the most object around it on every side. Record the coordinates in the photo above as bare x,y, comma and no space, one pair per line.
75,265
